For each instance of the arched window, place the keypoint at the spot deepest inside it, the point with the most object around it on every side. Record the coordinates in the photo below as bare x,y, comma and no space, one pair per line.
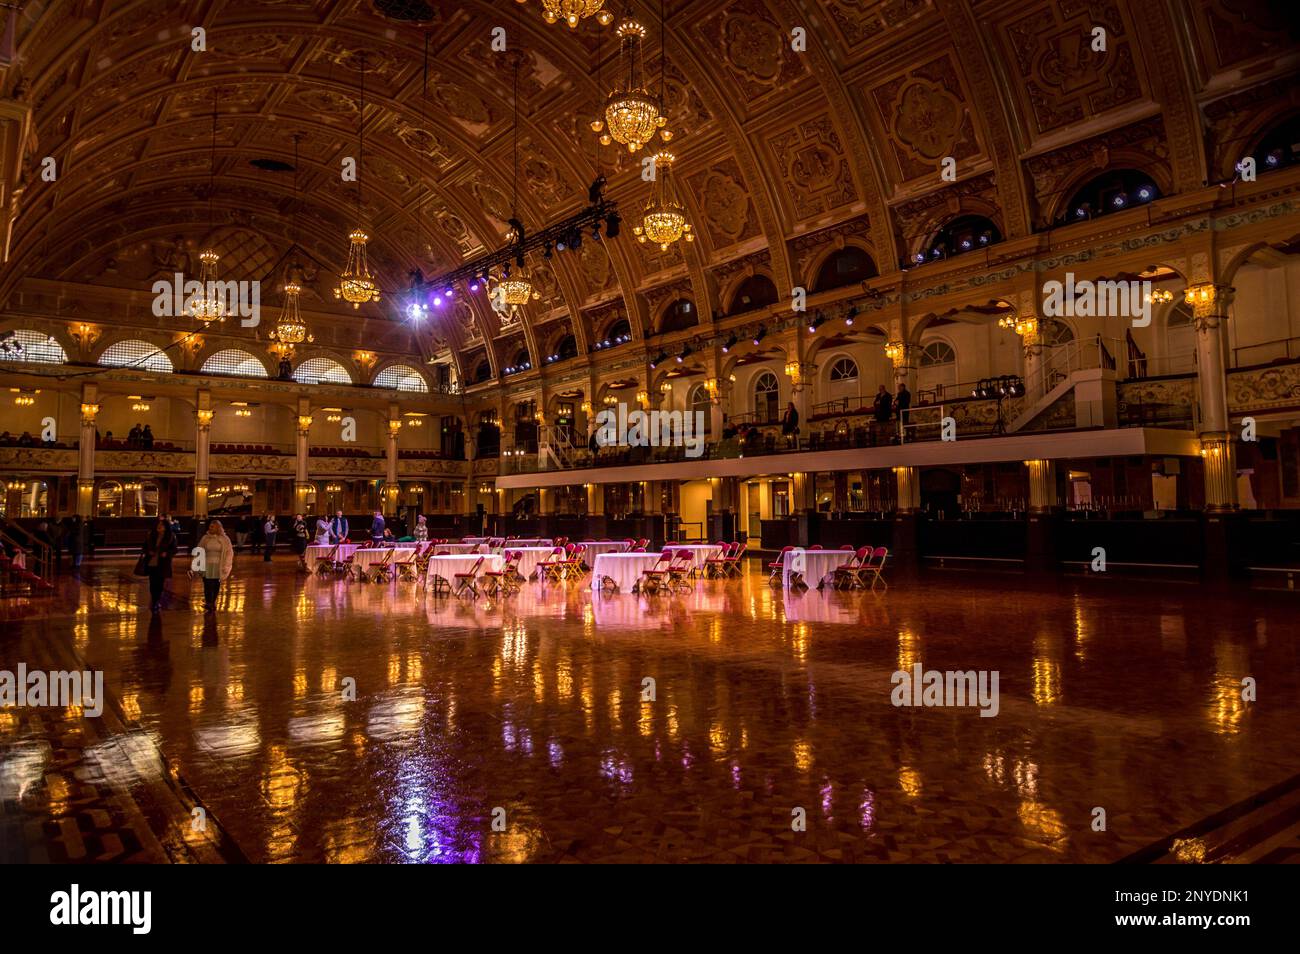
108,499
135,354
1112,191
1053,332
482,371
843,379
964,234
620,332
756,291
401,377
767,399
234,362
678,316
1279,148
24,344
936,371
699,403
847,266
321,371
937,353
521,362
844,369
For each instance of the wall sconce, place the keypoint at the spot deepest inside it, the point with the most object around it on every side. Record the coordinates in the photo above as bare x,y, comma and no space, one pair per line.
894,351
365,360
1160,296
792,372
711,386
585,407
610,400
666,387
394,428
1025,327
84,335
1202,294
642,398
88,412
304,421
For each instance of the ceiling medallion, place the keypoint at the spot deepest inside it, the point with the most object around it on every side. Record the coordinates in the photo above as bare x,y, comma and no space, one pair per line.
573,11
664,221
632,114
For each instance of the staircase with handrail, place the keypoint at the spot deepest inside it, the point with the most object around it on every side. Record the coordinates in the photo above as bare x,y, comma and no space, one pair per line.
1064,368
30,567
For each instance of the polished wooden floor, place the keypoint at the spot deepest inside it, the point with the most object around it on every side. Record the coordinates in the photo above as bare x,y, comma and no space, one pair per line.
529,712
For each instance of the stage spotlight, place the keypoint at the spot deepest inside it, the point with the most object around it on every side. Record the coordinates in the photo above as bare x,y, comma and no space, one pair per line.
612,225
760,334
731,343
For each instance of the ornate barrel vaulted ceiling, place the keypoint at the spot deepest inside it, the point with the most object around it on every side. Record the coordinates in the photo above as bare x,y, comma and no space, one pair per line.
781,153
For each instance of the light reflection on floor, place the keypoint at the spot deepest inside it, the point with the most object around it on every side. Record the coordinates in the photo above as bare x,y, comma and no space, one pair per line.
327,721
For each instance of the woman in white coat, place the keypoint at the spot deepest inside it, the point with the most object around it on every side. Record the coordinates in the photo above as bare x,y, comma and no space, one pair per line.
323,535
218,561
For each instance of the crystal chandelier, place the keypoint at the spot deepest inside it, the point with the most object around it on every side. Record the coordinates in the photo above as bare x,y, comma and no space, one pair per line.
290,330
1025,327
356,283
664,221
207,306
512,291
571,11
632,113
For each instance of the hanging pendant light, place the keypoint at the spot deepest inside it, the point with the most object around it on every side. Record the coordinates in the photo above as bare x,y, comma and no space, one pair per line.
664,219
356,283
632,113
291,329
574,11
207,306
513,288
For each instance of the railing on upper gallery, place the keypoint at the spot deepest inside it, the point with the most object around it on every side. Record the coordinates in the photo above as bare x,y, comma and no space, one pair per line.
1268,352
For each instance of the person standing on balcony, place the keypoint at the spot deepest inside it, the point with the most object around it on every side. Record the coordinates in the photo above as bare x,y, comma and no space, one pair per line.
218,561
156,560
790,424
269,530
146,438
903,401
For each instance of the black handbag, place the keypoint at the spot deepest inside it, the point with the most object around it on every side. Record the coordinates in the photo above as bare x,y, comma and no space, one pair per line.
142,566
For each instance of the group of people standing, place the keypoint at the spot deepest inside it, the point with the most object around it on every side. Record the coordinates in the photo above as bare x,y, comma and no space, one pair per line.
886,406
160,548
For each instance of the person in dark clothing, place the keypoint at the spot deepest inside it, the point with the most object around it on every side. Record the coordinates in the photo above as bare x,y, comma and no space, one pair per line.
286,369
301,537
790,423
156,560
270,528
884,406
76,541
903,402
146,438
377,528
339,527
133,436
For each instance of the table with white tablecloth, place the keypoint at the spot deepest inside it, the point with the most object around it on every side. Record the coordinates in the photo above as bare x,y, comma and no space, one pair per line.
594,548
448,566
624,569
460,548
318,551
700,552
529,557
528,542
475,539
814,565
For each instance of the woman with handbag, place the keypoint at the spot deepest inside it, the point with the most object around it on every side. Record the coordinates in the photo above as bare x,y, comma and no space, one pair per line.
218,561
301,537
156,560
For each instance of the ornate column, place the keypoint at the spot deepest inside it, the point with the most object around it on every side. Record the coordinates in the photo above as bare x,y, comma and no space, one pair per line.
1027,326
392,489
1042,528
1209,311
202,434
903,356
301,483
86,451
801,375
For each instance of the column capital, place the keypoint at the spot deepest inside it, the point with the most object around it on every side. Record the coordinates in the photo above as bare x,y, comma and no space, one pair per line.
901,354
800,373
394,428
304,423
203,418
1209,303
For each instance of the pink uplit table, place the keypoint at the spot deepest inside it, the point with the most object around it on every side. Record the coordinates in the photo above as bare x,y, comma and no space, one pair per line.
319,551
460,548
594,548
364,559
815,566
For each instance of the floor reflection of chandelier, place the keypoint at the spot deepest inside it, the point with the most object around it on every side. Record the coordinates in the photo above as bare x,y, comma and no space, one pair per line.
572,11
632,114
664,221
356,284
207,305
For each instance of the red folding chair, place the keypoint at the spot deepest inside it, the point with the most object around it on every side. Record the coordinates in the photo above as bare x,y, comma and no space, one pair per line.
467,582
776,567
846,574
653,579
